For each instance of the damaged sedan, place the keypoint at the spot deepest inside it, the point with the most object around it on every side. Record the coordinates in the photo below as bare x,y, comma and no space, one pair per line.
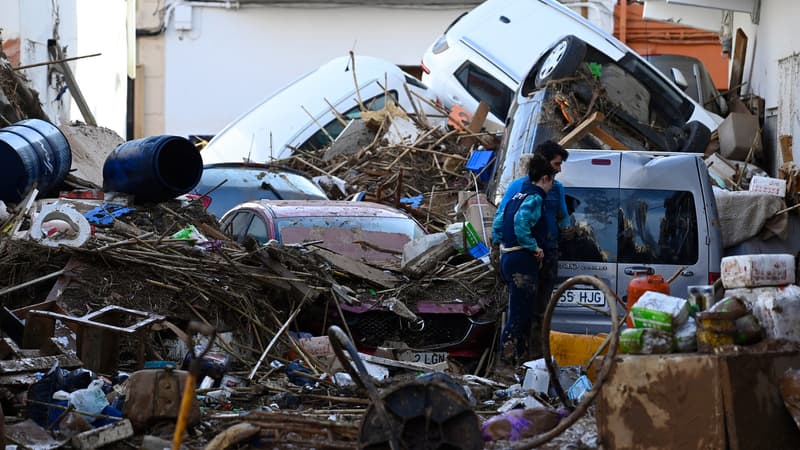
421,324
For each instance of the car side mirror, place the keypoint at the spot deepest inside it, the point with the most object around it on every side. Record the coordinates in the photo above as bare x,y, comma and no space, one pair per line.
679,79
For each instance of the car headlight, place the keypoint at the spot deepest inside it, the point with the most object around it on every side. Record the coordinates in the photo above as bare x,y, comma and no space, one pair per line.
440,45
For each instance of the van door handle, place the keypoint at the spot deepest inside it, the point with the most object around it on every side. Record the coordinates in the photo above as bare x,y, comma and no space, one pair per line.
687,273
633,270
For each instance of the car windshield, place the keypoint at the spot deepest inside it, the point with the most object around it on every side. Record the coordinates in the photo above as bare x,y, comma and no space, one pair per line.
374,239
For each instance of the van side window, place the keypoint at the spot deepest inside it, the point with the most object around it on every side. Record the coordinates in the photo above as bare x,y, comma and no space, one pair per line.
595,217
334,128
485,88
657,227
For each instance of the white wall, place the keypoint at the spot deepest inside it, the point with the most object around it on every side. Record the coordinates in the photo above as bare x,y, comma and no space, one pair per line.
83,27
37,25
775,39
103,79
770,42
231,59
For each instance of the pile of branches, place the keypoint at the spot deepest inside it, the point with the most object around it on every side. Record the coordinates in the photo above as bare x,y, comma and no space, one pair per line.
430,169
137,264
17,100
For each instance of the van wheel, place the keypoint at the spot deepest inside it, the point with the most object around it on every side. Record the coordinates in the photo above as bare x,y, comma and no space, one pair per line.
561,61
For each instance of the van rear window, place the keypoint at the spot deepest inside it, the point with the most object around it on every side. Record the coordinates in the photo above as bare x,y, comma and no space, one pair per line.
632,226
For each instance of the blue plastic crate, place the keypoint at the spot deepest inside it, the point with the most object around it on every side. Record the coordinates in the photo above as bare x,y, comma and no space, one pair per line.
479,250
480,159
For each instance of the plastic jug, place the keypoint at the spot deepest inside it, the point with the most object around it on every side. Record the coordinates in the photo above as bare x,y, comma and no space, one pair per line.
642,282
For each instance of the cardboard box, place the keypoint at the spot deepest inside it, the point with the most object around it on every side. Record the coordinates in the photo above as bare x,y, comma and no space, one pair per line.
737,133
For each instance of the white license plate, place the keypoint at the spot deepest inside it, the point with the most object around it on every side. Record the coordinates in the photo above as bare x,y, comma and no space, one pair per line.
429,358
578,297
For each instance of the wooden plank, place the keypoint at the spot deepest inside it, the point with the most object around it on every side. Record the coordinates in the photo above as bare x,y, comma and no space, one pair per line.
37,364
270,263
737,67
662,401
479,118
138,103
786,147
358,269
98,437
582,129
754,411
608,139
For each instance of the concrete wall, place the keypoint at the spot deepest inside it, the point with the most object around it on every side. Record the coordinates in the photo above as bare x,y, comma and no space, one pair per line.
228,60
81,27
151,69
101,28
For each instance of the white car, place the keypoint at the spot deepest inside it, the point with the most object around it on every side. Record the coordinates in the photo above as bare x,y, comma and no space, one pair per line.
293,117
487,53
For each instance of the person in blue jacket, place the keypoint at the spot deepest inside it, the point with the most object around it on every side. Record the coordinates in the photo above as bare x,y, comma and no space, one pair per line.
557,217
519,227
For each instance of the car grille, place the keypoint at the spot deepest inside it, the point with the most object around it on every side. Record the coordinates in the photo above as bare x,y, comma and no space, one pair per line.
374,328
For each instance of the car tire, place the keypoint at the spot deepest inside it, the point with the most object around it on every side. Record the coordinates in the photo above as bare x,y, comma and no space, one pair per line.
562,60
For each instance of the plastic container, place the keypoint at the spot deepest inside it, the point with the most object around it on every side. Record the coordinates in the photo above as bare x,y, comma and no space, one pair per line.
33,153
641,283
153,169
759,270
715,329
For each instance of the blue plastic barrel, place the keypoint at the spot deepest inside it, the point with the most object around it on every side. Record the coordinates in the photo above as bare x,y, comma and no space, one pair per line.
153,169
33,153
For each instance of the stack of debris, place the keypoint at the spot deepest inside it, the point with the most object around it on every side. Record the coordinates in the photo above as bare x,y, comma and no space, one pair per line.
407,161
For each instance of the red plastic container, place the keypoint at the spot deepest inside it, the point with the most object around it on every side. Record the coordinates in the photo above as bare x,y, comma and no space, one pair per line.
641,283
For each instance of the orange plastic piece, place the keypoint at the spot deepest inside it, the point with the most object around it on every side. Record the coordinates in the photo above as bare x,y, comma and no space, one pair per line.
459,117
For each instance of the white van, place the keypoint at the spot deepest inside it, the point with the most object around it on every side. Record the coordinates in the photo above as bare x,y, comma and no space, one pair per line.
486,54
634,212
293,117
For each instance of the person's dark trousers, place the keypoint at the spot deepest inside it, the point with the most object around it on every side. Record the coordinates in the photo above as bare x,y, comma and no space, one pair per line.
548,276
520,271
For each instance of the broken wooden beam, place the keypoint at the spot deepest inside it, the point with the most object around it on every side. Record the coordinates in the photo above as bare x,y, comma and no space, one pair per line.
592,126
358,269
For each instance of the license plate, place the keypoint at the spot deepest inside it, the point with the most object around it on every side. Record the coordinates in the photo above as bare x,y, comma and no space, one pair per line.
429,358
578,297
